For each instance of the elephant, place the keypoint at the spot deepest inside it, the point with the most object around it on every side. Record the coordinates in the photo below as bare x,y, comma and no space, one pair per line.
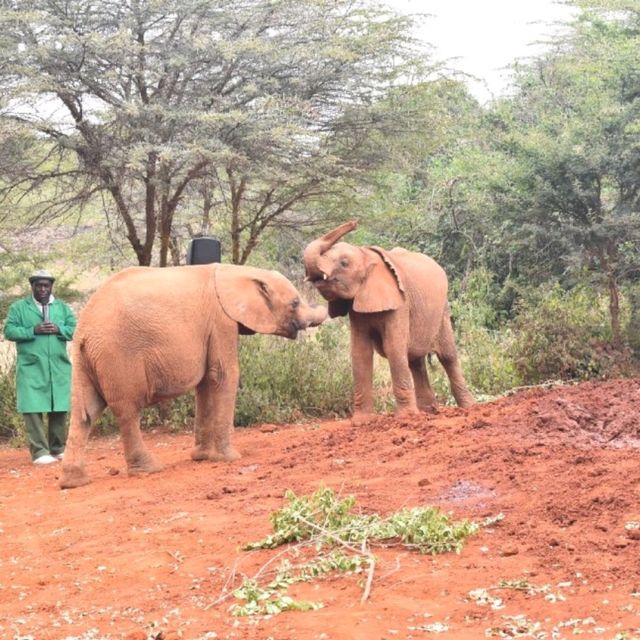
397,306
150,334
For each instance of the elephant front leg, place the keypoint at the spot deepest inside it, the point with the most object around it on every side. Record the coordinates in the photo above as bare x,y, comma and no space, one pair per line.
215,410
362,369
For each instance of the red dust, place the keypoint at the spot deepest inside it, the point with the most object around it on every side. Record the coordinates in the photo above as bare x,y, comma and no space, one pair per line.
153,557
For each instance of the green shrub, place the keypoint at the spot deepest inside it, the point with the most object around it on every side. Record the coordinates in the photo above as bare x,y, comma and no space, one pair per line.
632,327
475,299
176,415
285,380
483,347
563,335
12,427
486,360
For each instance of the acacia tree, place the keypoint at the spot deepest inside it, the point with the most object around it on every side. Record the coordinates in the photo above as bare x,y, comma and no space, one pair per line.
147,102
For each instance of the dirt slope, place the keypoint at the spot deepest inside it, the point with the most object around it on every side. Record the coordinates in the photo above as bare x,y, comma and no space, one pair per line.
149,557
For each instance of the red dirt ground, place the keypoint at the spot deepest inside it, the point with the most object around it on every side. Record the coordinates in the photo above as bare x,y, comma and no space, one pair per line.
150,557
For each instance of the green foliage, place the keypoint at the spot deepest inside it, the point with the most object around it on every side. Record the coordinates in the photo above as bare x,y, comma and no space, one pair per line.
327,520
106,423
486,360
284,380
563,335
482,338
633,323
272,599
269,601
12,427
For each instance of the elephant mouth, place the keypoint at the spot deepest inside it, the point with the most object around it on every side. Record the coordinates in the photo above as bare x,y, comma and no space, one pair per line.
326,293
324,286
291,330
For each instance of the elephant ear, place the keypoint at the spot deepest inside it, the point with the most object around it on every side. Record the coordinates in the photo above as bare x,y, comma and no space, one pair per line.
382,289
245,296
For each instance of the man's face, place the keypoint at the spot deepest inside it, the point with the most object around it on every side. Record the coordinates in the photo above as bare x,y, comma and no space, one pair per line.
42,290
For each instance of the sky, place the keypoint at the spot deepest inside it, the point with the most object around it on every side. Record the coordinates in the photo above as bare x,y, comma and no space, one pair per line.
482,37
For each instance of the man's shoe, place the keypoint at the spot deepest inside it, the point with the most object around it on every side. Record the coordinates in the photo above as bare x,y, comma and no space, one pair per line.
58,456
45,459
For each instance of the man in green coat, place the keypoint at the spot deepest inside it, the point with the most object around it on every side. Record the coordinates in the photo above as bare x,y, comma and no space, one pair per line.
41,326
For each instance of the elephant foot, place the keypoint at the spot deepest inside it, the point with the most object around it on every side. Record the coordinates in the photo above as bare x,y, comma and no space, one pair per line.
430,409
359,419
406,412
227,455
73,476
142,463
463,396
198,454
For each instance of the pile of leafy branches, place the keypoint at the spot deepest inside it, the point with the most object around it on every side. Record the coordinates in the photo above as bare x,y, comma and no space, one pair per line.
342,541
328,520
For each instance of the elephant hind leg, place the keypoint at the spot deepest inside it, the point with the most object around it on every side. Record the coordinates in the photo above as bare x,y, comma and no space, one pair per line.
86,407
448,357
139,459
425,397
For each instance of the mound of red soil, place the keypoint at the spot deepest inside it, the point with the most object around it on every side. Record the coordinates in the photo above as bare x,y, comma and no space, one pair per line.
157,556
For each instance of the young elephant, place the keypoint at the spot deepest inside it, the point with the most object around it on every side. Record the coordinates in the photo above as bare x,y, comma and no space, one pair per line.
150,334
397,305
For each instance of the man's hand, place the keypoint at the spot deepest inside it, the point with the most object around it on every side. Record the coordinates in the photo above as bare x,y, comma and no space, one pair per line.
46,328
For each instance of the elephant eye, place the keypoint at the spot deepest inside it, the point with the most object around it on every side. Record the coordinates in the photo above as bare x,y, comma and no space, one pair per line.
295,304
344,262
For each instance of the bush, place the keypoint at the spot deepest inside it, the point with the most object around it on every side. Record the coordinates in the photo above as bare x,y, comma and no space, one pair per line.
633,323
12,427
486,361
564,335
483,347
285,380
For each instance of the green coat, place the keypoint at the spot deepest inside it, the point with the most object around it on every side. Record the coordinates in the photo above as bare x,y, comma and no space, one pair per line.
43,368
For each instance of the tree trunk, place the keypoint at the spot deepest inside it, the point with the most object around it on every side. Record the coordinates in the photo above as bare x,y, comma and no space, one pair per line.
207,205
237,191
608,258
150,209
166,220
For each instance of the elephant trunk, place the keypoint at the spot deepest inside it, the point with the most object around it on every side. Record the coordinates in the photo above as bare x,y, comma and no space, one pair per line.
318,315
311,315
315,249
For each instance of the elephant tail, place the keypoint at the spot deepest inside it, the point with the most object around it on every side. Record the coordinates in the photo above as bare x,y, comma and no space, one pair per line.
87,400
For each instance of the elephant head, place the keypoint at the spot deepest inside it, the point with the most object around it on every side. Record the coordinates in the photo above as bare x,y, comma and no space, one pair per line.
364,279
263,301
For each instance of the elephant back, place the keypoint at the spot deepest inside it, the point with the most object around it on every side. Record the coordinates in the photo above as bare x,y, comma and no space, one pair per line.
417,266
425,282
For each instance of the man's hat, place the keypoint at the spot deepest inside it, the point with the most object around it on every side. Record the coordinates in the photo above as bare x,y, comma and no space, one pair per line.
41,274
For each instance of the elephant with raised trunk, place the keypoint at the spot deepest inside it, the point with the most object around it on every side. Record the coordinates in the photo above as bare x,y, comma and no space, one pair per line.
397,305
151,334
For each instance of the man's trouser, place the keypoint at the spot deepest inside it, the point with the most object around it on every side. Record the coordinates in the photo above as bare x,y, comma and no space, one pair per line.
48,439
